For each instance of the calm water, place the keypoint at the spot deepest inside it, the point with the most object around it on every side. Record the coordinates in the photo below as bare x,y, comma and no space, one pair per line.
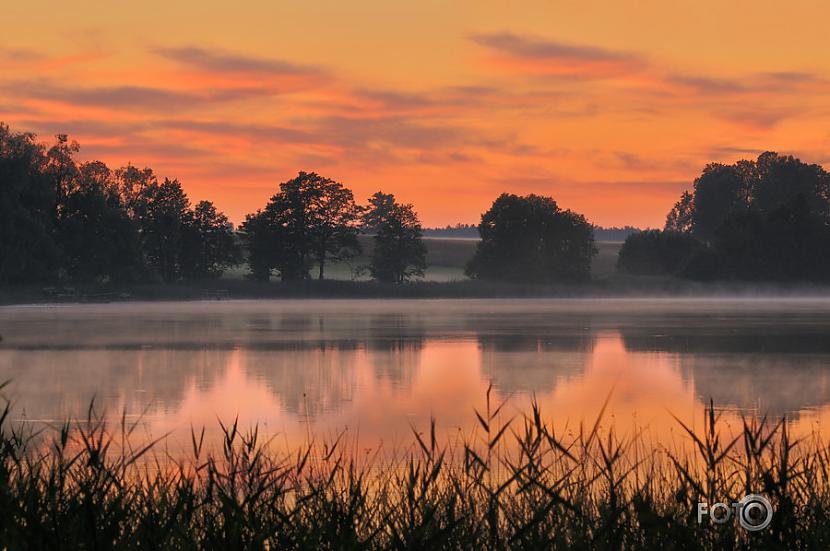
375,367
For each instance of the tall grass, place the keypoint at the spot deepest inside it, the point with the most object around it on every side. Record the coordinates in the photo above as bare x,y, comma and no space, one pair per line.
516,484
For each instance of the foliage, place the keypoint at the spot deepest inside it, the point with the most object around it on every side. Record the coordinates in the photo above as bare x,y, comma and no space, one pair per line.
679,218
311,219
27,210
259,236
97,239
655,252
767,219
399,252
209,245
530,239
64,220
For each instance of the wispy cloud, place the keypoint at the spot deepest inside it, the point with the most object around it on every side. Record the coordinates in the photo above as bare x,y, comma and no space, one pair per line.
541,56
125,97
227,62
20,54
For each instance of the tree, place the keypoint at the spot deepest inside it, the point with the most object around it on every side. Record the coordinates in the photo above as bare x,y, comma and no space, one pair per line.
530,239
379,211
719,192
132,184
334,220
28,252
62,171
311,220
60,219
97,239
209,245
762,219
679,218
789,243
162,226
399,252
655,252
781,179
261,243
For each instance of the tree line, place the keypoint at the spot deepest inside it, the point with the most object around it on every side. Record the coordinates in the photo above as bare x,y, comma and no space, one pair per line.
762,219
66,220
314,221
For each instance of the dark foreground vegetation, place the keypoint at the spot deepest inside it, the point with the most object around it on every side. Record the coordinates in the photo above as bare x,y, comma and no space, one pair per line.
515,484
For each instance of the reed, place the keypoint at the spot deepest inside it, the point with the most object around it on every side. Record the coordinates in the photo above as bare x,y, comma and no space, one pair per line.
516,484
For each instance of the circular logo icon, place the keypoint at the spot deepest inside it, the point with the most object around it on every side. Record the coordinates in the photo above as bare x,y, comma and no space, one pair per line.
755,512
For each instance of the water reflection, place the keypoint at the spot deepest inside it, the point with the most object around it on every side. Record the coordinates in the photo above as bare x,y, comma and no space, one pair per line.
377,366
777,366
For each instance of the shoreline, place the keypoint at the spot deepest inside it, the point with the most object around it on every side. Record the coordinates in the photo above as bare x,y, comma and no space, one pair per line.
223,290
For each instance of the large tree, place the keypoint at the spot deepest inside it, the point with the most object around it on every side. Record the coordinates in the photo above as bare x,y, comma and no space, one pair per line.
209,245
97,239
261,240
530,239
720,192
767,218
655,252
163,223
27,210
311,220
61,219
399,252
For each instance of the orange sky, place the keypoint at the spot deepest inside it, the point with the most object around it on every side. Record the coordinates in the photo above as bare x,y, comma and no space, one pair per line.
610,107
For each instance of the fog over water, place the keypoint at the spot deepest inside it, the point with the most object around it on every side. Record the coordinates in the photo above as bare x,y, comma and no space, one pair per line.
300,366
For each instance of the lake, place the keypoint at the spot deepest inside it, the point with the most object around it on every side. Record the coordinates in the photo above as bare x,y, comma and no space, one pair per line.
376,368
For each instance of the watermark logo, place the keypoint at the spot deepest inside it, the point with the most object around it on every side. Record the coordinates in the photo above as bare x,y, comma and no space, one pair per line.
754,512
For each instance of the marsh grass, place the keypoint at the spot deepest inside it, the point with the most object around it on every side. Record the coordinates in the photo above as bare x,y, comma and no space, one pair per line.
514,484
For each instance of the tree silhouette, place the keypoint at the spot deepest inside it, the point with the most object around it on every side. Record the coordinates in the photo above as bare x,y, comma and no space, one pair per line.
679,218
97,240
654,252
719,192
209,245
399,252
162,226
530,239
762,219
27,210
311,219
260,236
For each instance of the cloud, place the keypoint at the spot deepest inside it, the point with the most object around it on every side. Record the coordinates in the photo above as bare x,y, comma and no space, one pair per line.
757,119
399,101
706,85
226,62
253,131
20,55
394,131
549,57
126,97
139,149
721,152
86,127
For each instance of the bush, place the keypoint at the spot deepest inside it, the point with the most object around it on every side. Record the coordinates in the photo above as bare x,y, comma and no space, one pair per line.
655,252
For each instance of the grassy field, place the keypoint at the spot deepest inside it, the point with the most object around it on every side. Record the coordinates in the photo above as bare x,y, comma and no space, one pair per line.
444,279
446,258
514,484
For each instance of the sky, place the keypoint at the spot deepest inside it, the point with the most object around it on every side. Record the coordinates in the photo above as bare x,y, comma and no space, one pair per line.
612,108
